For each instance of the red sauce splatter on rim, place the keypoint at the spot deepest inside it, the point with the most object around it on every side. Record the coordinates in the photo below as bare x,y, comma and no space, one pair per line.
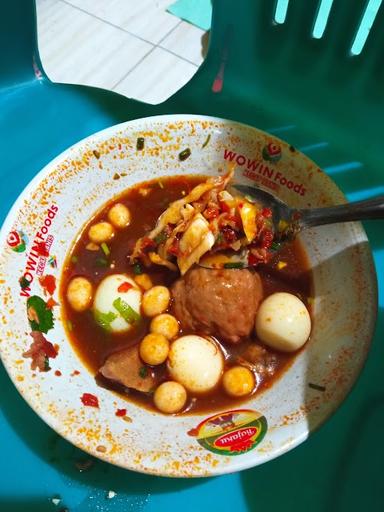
90,400
48,283
51,303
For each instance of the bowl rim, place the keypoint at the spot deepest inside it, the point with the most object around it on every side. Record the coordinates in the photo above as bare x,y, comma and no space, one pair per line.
237,464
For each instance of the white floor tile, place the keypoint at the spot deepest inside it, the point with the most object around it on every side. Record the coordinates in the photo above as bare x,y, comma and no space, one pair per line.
147,19
157,77
78,48
185,40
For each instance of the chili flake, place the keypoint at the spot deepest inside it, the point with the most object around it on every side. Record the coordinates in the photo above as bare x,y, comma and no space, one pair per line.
267,239
266,212
90,400
124,287
51,303
48,283
253,259
211,213
49,349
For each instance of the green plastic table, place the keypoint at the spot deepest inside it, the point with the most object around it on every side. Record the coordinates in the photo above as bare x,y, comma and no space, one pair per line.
310,92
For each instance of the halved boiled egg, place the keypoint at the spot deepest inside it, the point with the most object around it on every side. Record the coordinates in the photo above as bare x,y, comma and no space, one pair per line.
117,302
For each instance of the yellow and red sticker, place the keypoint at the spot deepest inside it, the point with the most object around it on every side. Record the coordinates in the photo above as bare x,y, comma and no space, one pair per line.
231,432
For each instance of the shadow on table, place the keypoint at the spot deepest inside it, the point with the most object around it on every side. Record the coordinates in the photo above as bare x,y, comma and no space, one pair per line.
70,461
340,467
26,505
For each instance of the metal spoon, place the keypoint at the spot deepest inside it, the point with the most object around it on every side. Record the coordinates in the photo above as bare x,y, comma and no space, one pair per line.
288,222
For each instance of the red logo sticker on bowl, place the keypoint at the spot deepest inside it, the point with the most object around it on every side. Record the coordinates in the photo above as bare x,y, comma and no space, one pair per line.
231,432
17,241
272,152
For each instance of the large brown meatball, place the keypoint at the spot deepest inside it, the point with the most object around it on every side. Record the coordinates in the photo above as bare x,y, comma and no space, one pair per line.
220,302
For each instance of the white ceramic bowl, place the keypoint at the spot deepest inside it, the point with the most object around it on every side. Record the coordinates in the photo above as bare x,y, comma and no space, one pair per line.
77,183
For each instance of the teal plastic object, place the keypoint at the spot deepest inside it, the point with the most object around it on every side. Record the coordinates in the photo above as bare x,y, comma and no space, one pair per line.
310,92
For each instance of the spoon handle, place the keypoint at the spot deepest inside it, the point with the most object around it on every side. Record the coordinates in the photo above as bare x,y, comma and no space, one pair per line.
359,210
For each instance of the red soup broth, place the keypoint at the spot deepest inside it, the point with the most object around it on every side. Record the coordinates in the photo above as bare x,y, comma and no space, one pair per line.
146,201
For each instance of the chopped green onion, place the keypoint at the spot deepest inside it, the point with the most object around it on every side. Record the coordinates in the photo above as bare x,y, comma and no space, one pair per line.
140,143
317,387
250,199
106,249
184,154
161,237
105,319
125,310
74,259
101,262
69,325
143,372
275,246
137,270
24,283
234,264
219,238
46,364
206,141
